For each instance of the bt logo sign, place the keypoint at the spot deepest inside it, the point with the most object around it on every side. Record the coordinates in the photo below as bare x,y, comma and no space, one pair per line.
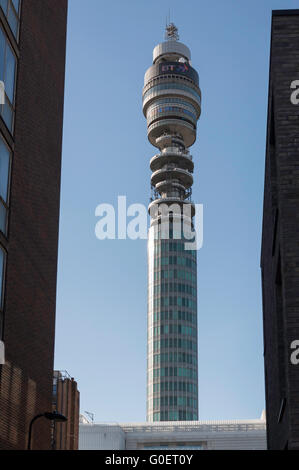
179,68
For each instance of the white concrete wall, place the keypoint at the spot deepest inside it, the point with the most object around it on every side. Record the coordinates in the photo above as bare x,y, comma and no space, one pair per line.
226,435
101,437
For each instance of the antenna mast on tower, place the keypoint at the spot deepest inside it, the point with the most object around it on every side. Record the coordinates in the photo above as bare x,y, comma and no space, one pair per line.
172,32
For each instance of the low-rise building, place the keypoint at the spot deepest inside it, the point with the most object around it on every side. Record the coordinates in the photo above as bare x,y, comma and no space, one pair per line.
185,435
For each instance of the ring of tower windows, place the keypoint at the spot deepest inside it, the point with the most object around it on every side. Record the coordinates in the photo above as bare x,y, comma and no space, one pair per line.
175,343
167,100
159,112
158,331
174,287
170,91
175,415
175,84
175,274
172,83
172,301
173,386
154,93
175,315
173,259
173,400
173,78
177,329
183,293
178,357
187,372
167,104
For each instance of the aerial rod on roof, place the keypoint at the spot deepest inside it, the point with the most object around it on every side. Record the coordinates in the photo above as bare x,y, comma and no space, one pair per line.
90,415
172,32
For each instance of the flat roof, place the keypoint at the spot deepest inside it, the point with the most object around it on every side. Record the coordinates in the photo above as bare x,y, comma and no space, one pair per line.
284,12
171,426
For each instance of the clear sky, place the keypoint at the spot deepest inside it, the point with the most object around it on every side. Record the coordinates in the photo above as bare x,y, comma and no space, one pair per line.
102,285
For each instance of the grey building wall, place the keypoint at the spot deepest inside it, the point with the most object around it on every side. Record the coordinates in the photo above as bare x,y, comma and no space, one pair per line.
172,107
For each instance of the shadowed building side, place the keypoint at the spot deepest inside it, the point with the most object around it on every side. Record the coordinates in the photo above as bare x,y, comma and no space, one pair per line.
32,66
280,239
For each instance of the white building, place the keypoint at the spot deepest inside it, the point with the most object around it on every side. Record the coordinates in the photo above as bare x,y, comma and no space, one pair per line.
185,435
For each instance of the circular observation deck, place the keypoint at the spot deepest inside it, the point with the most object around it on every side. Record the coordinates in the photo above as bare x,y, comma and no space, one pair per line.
167,175
187,208
172,101
185,128
179,159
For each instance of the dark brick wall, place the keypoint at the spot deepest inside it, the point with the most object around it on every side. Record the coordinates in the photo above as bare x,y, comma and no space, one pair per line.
30,291
280,241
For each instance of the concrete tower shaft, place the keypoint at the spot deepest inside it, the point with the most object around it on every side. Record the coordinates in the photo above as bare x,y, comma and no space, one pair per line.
172,107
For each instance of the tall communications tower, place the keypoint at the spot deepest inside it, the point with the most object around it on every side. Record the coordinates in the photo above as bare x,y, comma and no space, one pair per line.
172,107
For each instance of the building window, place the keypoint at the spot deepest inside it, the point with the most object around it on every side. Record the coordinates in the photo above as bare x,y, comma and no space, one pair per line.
5,158
2,262
8,65
11,9
2,270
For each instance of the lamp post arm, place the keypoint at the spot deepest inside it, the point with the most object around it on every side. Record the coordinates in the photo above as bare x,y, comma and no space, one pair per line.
30,429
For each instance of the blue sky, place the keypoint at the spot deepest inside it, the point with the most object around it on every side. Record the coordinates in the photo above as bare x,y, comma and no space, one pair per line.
102,285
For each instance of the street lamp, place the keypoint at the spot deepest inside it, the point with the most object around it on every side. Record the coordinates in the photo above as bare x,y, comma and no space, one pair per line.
54,416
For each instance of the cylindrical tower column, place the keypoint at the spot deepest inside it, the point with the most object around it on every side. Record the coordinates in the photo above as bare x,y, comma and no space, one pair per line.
172,107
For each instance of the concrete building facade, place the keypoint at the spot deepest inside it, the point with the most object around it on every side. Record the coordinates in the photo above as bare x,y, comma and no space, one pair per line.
192,435
172,106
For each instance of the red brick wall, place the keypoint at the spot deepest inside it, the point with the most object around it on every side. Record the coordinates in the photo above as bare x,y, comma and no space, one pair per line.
30,291
66,435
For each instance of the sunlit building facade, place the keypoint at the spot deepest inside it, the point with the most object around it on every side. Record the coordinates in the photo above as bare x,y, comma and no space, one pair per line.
193,435
66,401
172,106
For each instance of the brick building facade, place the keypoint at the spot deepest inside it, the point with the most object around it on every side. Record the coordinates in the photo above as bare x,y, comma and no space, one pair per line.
32,67
66,401
280,240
